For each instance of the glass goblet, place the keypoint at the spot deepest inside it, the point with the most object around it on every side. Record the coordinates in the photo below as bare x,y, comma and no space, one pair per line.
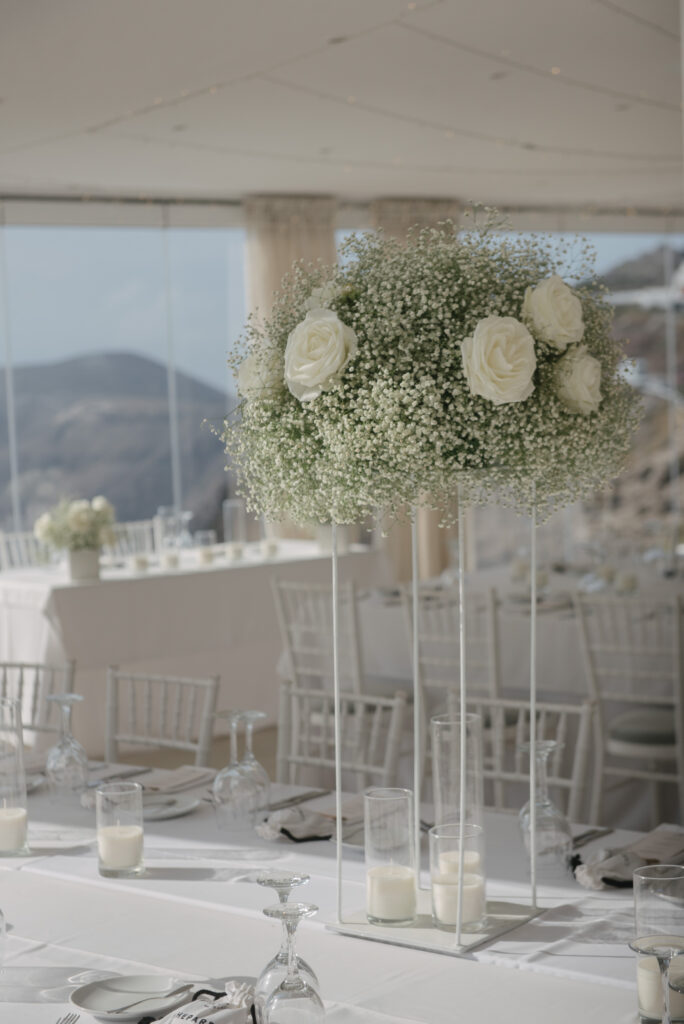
553,838
249,762
66,765
295,1000
235,792
659,919
275,970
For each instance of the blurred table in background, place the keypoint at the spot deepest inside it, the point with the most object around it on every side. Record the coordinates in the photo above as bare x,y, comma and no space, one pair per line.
198,620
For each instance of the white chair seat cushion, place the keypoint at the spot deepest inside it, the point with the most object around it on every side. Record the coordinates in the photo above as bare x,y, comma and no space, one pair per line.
655,727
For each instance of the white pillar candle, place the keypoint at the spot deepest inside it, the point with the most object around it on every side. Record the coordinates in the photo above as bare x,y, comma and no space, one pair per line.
391,892
650,989
472,862
445,898
120,846
13,821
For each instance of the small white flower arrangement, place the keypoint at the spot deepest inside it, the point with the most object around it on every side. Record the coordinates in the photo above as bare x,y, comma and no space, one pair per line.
77,525
458,359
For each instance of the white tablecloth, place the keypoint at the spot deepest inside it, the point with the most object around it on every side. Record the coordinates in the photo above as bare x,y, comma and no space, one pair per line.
197,621
197,914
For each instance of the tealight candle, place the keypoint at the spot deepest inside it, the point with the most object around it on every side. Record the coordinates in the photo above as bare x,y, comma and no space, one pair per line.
269,548
140,563
234,551
169,560
445,899
650,990
391,893
120,847
206,556
13,822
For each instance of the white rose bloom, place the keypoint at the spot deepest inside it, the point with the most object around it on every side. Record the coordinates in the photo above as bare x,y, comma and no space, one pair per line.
499,360
579,380
555,313
41,527
260,374
100,504
80,516
322,296
317,351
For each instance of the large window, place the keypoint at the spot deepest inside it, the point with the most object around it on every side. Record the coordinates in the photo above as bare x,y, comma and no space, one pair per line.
119,339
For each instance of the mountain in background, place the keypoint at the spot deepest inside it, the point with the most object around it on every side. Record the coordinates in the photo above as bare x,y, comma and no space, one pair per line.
100,425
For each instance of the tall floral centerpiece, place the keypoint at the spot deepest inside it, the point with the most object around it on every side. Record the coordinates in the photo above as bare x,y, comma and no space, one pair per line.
410,369
458,362
80,527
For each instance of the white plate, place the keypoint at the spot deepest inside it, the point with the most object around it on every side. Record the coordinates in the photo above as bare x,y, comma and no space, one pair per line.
161,808
100,998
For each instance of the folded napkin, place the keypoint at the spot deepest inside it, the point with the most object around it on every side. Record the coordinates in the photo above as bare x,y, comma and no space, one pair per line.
189,776
609,869
233,1007
298,824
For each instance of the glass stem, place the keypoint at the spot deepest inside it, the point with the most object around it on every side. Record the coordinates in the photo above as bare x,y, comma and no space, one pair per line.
234,739
542,788
66,722
291,928
249,726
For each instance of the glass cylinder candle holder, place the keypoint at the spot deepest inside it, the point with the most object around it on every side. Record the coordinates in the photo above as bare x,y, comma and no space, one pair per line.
119,811
446,847
650,990
13,813
446,769
389,848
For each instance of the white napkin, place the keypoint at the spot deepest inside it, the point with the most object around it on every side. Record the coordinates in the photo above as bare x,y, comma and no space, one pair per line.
189,776
297,824
233,1008
606,867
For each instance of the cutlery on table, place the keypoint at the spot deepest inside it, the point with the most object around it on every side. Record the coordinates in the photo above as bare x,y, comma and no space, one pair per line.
591,833
301,798
154,996
67,1018
127,774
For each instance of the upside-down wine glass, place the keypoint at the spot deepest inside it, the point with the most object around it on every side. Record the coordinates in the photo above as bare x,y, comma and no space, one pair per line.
66,764
275,970
659,919
249,762
236,794
295,1001
553,840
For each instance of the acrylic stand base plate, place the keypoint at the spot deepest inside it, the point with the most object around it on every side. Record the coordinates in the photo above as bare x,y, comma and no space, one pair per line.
502,916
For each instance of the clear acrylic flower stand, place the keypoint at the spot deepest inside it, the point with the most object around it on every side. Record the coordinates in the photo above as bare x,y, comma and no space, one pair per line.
501,916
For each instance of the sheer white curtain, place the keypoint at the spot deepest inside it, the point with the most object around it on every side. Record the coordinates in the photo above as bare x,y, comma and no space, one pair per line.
395,217
280,230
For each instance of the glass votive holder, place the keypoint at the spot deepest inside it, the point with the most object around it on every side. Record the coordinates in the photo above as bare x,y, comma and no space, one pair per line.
445,858
389,850
13,813
650,990
205,542
119,811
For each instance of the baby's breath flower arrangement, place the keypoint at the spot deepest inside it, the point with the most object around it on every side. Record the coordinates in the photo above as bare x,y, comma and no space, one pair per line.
454,360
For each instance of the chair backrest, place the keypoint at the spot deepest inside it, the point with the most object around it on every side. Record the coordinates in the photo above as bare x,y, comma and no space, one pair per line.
160,711
31,684
508,728
632,648
19,550
439,644
370,729
305,618
134,538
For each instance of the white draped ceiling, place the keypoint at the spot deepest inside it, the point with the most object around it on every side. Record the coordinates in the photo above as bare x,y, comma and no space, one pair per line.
573,109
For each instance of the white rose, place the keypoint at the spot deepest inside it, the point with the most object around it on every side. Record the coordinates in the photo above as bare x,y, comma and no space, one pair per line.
499,360
555,313
579,380
104,507
79,516
322,296
41,527
317,351
260,374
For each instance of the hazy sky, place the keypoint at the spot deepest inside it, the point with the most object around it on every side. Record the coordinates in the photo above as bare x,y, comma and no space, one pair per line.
77,290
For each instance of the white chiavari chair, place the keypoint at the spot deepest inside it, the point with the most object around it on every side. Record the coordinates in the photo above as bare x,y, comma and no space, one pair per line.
371,732
633,654
21,550
506,765
156,711
133,538
31,683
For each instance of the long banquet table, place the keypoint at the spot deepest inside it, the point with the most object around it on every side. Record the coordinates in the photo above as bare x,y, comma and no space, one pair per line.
195,621
197,914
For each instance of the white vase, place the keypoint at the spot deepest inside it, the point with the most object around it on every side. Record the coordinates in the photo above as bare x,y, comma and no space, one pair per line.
84,564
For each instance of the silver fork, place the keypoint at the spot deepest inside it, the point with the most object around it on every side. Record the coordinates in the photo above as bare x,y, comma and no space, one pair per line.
68,1018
